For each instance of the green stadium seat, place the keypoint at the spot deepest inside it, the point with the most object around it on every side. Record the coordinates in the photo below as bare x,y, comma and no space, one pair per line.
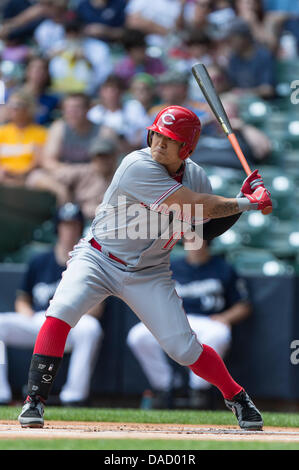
283,126
290,163
225,181
255,111
286,72
281,238
282,186
230,240
258,262
22,210
24,254
278,151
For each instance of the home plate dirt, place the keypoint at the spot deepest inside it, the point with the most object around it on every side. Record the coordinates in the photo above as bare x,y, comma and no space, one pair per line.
96,430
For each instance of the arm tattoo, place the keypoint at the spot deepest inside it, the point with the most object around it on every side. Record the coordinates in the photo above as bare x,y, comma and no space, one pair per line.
226,208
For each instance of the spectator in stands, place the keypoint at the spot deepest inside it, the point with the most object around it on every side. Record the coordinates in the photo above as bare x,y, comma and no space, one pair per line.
251,67
20,328
20,18
68,144
85,184
197,47
52,29
213,148
173,89
141,98
21,140
156,19
137,60
197,15
143,89
214,299
38,84
261,27
109,109
288,48
78,63
70,136
102,19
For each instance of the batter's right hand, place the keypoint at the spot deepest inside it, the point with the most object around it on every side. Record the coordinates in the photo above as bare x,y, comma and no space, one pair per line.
259,199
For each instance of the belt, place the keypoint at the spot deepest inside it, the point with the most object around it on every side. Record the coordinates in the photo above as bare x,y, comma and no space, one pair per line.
97,246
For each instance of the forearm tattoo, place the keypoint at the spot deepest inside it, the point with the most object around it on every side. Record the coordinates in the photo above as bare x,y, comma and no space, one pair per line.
226,208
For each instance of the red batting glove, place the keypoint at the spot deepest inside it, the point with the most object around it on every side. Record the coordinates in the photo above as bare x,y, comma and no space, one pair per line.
260,199
252,182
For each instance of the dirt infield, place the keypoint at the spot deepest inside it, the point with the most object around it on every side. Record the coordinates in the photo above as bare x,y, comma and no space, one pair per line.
96,430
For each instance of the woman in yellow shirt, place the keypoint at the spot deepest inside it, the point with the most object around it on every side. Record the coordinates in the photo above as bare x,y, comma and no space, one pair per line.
21,140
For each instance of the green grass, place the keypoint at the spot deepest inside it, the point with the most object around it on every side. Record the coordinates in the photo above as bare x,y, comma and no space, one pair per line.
142,416
121,415
139,444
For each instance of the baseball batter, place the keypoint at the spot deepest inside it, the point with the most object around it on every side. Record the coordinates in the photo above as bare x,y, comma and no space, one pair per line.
151,202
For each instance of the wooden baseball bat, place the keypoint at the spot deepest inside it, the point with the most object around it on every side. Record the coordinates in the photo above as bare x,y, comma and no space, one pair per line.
205,83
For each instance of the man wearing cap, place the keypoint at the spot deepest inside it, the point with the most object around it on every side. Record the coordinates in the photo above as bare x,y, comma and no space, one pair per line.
21,327
173,89
86,183
251,66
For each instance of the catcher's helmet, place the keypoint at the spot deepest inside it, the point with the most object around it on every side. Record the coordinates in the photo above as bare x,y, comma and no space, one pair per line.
179,124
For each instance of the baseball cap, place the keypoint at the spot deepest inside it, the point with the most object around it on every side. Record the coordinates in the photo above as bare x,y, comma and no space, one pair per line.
69,212
144,78
102,146
239,27
172,76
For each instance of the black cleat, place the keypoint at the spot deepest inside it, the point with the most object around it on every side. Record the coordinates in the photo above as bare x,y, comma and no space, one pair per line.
247,414
32,413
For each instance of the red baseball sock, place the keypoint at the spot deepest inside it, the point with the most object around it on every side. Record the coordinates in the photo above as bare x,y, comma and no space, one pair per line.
52,337
209,366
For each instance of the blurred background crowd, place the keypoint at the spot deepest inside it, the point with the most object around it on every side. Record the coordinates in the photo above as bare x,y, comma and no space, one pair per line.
81,80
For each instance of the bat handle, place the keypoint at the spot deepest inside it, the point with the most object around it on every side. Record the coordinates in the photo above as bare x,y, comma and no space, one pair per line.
235,144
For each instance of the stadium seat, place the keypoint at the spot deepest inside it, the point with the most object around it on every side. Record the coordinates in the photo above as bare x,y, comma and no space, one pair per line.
22,210
225,181
24,254
284,126
285,73
282,189
290,163
255,111
281,238
278,151
254,262
228,241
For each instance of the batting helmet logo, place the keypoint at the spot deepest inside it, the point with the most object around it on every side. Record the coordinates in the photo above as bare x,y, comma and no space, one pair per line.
168,122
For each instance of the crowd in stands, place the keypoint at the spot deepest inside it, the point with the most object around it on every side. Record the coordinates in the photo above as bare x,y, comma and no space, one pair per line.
76,71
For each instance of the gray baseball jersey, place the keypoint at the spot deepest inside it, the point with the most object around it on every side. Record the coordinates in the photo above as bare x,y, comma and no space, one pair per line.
144,283
129,222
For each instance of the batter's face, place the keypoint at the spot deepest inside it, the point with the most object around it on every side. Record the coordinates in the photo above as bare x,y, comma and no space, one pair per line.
166,151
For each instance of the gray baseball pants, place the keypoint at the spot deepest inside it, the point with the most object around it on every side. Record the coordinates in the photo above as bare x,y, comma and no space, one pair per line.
91,277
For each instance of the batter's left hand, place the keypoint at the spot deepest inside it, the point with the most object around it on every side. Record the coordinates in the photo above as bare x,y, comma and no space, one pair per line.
252,182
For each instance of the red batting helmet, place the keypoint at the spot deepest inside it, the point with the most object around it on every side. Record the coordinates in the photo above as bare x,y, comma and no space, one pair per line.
179,124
